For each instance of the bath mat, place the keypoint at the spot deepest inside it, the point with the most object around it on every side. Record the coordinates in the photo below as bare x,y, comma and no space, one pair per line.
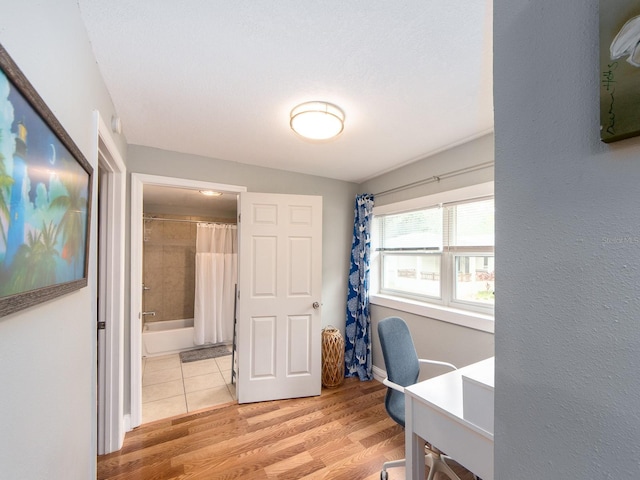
204,353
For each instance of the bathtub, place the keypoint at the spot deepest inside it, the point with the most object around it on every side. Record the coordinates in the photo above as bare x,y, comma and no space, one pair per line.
168,336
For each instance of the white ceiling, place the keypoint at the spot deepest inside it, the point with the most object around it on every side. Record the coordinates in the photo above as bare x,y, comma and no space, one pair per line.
218,78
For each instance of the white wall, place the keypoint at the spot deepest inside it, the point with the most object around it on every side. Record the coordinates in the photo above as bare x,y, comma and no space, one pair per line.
568,303
433,338
48,352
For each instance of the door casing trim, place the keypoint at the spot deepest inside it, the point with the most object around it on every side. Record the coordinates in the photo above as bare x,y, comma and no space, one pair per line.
111,285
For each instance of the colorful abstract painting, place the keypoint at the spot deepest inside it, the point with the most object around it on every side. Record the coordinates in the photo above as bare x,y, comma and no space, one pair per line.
619,69
44,197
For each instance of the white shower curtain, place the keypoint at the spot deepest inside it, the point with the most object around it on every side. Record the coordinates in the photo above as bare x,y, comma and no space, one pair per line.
216,277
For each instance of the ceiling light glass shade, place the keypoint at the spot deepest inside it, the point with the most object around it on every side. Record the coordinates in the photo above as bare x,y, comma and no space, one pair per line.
317,120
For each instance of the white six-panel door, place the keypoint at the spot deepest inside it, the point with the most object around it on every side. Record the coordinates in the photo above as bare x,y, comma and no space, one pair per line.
280,282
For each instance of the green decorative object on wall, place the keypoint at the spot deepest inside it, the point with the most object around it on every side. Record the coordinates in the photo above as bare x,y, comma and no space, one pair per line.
619,69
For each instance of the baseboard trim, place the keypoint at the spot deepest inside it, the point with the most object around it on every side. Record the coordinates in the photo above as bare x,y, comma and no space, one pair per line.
127,422
379,374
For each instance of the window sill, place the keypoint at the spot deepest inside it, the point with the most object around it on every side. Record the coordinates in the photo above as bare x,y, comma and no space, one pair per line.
477,321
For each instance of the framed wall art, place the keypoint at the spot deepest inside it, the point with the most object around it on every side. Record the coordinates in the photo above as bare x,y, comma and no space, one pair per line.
45,198
619,69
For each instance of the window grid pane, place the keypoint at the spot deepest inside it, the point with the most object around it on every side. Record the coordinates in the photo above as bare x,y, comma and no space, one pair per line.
413,274
462,271
475,279
472,224
419,229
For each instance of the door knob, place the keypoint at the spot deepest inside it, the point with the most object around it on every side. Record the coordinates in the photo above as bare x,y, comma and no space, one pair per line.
316,305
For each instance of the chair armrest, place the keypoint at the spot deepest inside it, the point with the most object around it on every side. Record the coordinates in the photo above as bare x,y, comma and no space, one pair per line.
395,386
437,362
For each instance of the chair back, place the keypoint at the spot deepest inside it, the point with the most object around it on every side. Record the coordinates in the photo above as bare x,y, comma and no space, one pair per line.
401,362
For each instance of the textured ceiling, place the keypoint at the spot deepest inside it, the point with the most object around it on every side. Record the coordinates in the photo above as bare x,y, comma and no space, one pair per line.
218,78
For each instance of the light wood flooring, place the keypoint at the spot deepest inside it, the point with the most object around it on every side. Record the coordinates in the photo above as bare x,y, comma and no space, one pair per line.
344,433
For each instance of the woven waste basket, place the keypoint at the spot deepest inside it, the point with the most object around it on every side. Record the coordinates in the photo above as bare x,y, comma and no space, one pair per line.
332,357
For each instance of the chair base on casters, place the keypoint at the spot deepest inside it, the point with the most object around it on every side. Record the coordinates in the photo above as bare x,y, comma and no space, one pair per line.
435,461
395,463
436,464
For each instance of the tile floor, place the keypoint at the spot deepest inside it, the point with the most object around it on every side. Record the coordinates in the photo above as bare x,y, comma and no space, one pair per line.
170,387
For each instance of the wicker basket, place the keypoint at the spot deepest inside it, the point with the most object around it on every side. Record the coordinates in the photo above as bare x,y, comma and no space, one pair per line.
332,357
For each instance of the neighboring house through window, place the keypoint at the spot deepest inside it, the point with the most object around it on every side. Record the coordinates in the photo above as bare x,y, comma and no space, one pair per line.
437,252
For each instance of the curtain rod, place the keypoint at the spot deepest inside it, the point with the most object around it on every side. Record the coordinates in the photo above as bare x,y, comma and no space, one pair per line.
436,178
161,219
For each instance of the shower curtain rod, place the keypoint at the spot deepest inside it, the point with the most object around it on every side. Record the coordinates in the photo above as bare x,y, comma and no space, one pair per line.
161,219
436,178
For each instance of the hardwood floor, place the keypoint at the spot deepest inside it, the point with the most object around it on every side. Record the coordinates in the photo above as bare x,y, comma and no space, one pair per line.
345,433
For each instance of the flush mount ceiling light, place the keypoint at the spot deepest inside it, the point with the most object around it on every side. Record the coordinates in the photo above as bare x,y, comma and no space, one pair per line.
210,193
317,120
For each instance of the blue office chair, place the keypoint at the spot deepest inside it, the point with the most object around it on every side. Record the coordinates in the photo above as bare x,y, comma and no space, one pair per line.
403,368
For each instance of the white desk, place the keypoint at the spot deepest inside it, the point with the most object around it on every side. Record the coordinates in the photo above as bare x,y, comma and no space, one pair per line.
434,412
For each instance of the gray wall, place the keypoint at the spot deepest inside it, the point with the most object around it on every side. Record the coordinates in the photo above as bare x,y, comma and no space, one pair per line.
469,154
433,338
48,352
436,340
567,339
567,332
338,200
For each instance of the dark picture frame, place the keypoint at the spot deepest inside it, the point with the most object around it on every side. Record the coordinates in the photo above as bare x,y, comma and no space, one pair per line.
45,199
619,69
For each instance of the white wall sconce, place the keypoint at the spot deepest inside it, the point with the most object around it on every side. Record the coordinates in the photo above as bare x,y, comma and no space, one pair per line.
116,124
317,120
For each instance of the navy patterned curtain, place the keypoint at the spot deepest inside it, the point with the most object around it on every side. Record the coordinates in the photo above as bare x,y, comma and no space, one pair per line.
357,355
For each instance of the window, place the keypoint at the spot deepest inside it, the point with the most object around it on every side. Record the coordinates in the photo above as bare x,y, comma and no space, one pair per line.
443,254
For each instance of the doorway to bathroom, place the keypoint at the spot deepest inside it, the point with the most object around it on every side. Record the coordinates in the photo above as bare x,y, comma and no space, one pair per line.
279,291
189,273
165,216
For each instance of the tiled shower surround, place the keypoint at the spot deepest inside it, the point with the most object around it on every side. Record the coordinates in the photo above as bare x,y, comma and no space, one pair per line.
169,253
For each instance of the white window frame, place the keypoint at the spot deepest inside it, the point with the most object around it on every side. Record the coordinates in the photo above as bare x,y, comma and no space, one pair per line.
460,316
